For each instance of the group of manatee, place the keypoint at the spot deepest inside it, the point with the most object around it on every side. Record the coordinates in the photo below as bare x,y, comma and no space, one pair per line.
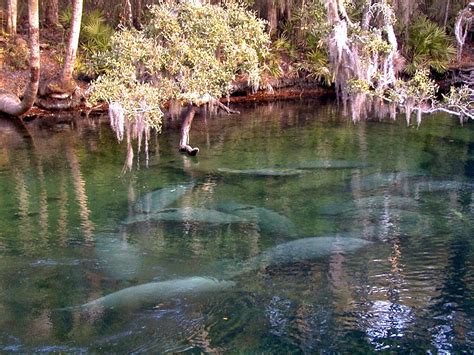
154,206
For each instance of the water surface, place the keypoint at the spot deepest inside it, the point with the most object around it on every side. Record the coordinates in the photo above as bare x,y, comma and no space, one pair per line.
228,241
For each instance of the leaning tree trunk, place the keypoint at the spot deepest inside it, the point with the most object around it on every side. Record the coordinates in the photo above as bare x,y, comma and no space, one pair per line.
137,14
10,103
212,103
127,14
60,92
11,16
73,42
186,127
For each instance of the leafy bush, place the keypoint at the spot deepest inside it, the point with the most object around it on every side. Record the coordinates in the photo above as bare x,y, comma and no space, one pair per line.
428,47
316,64
185,53
304,41
95,33
65,17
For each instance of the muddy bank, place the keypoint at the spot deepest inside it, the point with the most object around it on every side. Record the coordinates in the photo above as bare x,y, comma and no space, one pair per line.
287,90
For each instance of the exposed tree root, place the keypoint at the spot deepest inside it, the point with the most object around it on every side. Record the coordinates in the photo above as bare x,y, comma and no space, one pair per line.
223,107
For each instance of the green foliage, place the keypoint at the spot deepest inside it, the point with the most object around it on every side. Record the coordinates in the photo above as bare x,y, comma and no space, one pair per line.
428,47
185,53
359,86
418,90
65,17
316,64
95,32
374,43
303,42
273,64
285,45
459,99
94,37
421,87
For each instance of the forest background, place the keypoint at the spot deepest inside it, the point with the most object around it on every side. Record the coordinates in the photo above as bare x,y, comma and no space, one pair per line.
129,54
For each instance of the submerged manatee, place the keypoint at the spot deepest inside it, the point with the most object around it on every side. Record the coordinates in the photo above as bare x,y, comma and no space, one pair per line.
154,292
158,200
306,249
329,164
299,250
263,172
269,222
187,214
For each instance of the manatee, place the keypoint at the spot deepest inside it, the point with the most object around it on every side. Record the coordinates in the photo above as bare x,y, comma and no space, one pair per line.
187,214
306,249
263,172
154,292
269,222
158,200
328,164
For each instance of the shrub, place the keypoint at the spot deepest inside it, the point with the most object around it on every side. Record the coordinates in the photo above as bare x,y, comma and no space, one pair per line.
428,47
185,53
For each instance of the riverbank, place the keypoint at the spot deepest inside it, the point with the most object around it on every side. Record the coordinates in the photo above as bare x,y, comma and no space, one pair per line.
14,76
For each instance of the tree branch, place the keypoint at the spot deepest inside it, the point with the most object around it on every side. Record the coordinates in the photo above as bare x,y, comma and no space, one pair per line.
184,146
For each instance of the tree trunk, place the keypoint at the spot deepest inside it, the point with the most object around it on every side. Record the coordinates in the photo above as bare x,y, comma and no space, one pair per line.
11,16
446,13
10,103
127,14
63,87
184,146
73,42
51,9
137,14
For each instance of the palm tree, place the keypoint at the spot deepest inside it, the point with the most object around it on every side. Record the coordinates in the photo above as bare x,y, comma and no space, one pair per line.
10,103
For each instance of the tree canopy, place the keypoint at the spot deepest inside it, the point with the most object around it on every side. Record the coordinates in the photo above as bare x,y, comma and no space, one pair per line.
187,52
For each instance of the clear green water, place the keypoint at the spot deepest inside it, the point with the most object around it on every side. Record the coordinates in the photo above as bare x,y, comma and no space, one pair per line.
67,236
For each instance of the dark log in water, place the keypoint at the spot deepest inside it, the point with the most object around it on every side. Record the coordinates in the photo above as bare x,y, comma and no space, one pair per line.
184,146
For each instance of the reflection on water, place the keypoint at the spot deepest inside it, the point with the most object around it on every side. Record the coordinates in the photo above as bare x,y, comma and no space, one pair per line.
293,230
